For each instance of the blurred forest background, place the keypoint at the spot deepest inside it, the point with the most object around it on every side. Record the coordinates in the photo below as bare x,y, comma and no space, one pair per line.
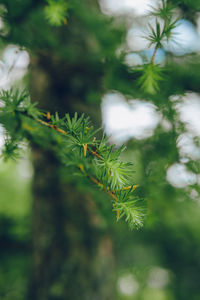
59,238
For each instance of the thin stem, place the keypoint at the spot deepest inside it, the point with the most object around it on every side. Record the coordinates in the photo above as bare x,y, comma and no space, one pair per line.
97,182
110,193
81,168
93,152
154,55
52,126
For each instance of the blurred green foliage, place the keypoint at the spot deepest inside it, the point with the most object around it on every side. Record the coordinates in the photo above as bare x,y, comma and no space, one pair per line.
160,261
15,229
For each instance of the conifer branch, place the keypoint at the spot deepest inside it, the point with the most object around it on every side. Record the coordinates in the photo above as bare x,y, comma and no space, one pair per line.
94,153
159,34
72,139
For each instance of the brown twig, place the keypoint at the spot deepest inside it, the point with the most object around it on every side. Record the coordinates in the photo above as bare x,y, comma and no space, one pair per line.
154,55
97,182
52,126
93,152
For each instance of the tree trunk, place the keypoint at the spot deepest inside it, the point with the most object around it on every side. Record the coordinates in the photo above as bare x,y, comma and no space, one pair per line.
73,258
